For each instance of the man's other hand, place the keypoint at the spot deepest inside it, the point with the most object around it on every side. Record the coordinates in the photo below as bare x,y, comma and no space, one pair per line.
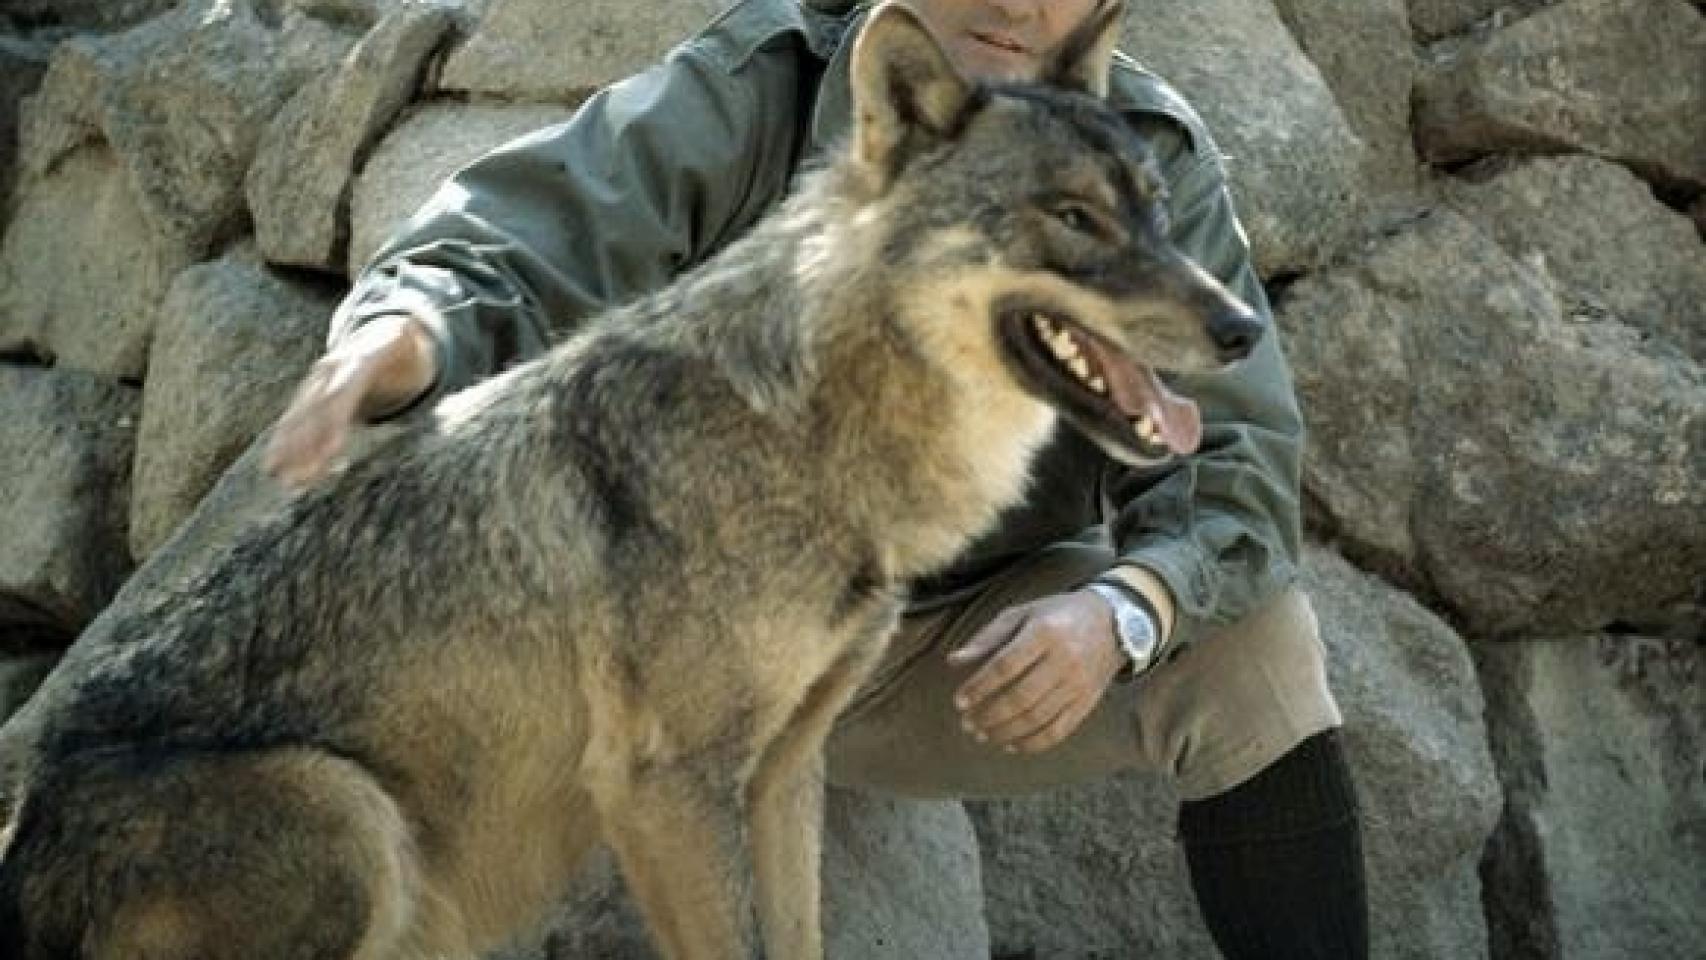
1045,666
381,367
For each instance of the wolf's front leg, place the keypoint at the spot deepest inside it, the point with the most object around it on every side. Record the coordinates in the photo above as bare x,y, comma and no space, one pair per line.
786,799
787,845
680,839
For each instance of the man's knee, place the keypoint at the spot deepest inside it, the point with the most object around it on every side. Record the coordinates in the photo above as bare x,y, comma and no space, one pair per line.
1223,709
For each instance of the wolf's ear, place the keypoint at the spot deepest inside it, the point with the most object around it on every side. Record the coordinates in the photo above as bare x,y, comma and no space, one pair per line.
1087,54
904,86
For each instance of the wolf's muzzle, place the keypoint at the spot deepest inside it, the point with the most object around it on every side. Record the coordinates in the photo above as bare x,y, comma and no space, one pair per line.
1235,332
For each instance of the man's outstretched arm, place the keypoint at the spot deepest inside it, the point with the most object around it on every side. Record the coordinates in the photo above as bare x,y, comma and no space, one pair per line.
648,178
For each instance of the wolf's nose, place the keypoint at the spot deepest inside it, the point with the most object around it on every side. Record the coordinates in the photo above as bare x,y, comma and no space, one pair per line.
1235,333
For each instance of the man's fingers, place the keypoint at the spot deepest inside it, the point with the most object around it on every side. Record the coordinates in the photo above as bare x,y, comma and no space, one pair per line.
305,457
1056,730
1021,721
1006,666
1035,684
312,431
994,635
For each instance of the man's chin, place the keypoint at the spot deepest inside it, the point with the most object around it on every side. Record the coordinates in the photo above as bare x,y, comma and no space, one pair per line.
980,61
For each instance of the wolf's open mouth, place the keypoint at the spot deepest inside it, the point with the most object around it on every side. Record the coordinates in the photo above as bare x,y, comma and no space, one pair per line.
1106,385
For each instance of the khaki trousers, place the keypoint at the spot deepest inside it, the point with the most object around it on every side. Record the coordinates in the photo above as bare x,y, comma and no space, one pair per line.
1210,716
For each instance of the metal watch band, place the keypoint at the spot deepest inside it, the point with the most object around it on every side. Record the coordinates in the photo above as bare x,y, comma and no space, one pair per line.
1135,596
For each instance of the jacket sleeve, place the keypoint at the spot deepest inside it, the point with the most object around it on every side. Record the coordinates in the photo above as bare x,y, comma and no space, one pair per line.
643,181
1221,528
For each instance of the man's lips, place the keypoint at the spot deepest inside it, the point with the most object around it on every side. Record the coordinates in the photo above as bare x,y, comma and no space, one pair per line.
1000,42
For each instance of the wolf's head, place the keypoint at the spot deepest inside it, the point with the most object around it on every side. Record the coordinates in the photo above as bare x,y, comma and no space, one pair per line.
1029,222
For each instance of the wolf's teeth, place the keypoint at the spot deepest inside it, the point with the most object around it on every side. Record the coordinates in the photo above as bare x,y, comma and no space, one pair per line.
1064,345
1043,324
1080,368
1098,385
1146,428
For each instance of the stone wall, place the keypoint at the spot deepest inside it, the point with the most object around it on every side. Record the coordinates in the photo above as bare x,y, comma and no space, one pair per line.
1481,222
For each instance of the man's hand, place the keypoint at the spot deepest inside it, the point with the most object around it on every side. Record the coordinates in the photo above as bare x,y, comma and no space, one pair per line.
1048,663
382,366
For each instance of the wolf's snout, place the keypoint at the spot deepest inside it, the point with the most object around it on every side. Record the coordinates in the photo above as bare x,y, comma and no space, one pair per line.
1235,333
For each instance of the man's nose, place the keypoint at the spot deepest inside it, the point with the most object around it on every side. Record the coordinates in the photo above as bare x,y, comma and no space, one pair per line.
1016,9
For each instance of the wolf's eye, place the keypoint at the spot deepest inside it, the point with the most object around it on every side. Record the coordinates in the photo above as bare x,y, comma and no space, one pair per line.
1074,217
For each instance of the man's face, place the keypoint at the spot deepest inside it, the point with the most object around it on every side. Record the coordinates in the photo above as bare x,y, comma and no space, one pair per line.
1002,39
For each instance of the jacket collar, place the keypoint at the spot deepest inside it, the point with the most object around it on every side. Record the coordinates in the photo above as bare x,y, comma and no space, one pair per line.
832,113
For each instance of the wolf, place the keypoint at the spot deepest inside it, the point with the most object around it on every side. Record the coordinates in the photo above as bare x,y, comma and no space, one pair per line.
618,594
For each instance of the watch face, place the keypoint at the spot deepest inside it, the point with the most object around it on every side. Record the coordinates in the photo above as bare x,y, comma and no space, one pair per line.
1137,633
1136,630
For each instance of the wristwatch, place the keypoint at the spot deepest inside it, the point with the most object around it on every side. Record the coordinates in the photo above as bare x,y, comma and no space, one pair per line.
1135,623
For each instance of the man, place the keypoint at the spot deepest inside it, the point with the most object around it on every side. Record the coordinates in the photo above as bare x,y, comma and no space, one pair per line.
1006,673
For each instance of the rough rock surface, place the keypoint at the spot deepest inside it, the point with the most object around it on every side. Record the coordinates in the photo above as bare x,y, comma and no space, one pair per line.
1365,53
21,671
900,880
1614,78
22,64
92,15
1096,872
1535,469
298,188
424,148
82,268
1601,852
233,340
550,51
1610,247
1295,163
182,99
65,449
1432,19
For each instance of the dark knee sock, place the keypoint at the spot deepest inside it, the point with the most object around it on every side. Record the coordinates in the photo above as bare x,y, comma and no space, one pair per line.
1276,862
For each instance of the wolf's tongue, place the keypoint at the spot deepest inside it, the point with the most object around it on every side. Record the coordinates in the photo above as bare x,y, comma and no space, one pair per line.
1137,391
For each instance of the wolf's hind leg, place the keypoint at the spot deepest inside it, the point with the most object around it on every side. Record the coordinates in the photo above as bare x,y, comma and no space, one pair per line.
272,855
679,838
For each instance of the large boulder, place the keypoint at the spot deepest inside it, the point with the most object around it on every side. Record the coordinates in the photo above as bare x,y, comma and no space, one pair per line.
182,100
1089,872
82,268
900,879
1095,872
1296,164
1601,852
298,188
431,143
1608,245
1620,79
22,64
1365,53
545,50
1416,734
1533,469
65,449
232,341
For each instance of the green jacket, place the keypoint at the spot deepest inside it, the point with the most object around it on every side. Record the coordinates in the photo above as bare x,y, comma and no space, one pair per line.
658,172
